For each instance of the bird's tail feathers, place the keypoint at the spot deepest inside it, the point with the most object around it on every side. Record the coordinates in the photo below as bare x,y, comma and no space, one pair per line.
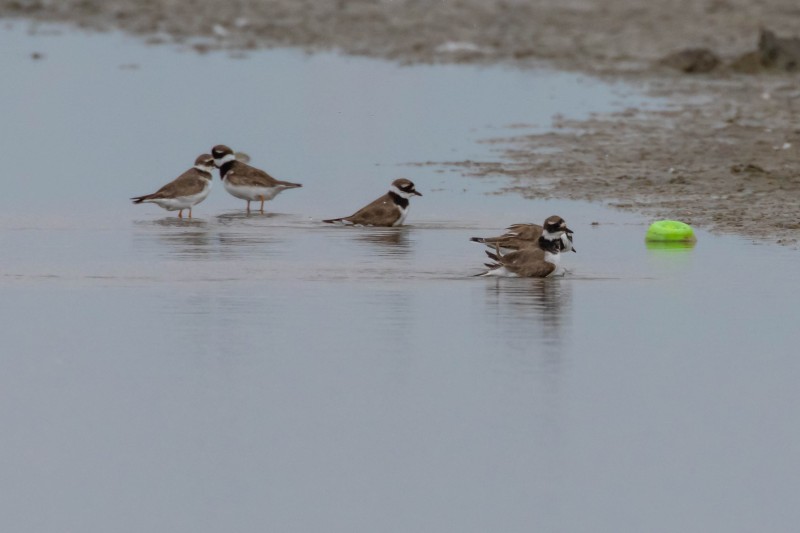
140,199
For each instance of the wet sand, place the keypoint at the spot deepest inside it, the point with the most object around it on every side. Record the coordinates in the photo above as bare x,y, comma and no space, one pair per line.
723,154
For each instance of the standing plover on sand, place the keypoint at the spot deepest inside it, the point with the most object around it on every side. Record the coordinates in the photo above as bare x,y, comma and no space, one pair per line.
246,182
185,191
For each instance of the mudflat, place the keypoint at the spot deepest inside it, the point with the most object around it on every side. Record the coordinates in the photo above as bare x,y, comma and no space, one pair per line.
723,153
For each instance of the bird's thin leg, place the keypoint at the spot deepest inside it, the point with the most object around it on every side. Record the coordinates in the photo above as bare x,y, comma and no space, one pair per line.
190,213
262,205
248,207
180,213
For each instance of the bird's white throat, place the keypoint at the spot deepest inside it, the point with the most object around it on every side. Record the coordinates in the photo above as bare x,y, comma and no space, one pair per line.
227,158
552,236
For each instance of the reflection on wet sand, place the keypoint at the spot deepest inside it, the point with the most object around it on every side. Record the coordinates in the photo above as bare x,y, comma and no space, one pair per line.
233,217
174,222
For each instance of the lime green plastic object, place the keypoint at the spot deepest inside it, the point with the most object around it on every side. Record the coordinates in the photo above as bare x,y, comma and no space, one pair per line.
670,231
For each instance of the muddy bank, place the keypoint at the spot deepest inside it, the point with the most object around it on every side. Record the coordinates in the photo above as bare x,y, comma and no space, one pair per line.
592,35
725,154
727,164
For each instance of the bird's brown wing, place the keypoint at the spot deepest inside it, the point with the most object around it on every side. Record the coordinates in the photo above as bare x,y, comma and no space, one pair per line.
245,175
527,263
381,212
185,184
517,236
539,269
508,242
528,232
520,257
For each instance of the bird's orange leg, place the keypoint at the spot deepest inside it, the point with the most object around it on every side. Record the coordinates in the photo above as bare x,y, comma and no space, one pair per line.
190,213
180,213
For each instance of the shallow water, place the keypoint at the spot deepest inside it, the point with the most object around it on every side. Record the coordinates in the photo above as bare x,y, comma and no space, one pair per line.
252,373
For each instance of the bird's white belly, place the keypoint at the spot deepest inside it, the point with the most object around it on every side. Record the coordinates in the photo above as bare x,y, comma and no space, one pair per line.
403,215
555,260
501,272
249,192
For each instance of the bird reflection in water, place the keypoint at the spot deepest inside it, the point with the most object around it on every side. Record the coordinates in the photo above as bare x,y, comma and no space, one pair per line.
242,234
386,242
523,302
233,217
181,238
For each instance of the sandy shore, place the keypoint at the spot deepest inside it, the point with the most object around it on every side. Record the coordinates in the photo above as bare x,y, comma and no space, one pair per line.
724,155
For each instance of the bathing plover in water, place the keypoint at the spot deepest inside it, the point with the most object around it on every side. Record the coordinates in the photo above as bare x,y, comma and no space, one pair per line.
538,261
388,210
518,236
246,182
185,191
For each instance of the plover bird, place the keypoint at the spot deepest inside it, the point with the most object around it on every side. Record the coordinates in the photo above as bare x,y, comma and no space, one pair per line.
246,182
185,191
520,236
540,261
388,210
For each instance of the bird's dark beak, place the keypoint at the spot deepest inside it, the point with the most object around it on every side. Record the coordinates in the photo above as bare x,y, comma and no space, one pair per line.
574,250
417,193
569,231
